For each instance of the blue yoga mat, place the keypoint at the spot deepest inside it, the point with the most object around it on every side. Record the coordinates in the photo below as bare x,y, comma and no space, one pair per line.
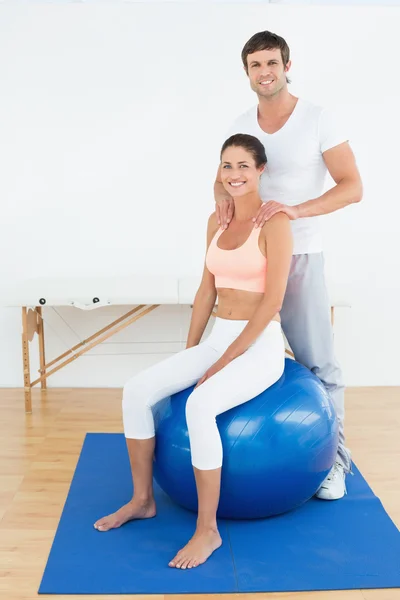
348,544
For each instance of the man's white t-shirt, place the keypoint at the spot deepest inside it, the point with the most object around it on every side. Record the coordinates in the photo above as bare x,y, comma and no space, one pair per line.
295,170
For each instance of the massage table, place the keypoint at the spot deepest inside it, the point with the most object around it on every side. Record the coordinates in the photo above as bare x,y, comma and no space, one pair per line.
142,294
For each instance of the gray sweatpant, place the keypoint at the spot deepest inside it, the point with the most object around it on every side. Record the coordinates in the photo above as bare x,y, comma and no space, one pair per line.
307,326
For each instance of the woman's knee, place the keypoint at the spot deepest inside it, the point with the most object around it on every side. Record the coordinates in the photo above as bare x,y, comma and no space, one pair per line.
198,409
136,392
205,443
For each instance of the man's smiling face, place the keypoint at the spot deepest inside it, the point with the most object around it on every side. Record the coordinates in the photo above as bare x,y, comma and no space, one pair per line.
266,72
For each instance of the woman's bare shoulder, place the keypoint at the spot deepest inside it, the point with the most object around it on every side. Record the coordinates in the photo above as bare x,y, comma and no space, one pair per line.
279,219
277,231
279,222
212,226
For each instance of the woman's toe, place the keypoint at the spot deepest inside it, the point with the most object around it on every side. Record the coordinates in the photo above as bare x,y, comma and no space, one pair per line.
175,560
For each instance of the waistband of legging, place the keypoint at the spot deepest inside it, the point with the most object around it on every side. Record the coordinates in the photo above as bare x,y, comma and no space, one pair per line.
238,325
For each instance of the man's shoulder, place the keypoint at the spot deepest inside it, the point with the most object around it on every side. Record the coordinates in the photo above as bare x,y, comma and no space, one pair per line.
319,112
311,107
249,113
246,120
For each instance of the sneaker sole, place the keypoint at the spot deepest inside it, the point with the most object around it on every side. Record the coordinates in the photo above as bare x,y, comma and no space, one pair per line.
320,494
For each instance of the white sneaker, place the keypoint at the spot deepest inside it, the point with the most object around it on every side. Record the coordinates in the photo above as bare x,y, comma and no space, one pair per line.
334,485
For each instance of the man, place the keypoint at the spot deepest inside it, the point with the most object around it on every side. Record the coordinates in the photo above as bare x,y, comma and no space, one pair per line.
302,144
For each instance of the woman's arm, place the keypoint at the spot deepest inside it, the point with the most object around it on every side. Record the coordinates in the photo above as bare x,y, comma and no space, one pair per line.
205,297
279,248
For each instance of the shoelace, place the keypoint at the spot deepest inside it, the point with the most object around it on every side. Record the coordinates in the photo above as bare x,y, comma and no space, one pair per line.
335,472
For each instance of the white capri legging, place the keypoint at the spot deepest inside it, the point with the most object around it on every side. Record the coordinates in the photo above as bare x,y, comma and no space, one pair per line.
241,380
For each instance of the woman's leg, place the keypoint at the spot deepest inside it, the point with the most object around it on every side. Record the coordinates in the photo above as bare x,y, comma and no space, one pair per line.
242,379
140,394
142,504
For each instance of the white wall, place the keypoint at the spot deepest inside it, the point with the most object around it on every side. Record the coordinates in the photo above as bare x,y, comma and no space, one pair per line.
111,120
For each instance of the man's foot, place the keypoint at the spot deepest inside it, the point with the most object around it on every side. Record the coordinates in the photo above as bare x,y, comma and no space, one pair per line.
197,550
133,510
334,485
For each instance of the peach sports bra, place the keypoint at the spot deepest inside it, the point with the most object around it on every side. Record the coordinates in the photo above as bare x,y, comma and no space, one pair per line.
242,268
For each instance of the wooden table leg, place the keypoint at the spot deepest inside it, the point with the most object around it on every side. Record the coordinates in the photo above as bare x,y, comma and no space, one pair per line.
42,357
26,364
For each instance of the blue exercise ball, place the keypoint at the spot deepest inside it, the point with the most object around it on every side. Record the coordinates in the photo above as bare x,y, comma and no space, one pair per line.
277,447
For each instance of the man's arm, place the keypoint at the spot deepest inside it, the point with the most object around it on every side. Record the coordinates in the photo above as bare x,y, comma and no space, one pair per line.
342,167
224,206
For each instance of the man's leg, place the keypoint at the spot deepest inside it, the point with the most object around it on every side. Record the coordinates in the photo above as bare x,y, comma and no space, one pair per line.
306,323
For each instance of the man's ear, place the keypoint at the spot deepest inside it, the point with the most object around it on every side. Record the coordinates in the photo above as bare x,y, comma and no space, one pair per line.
287,68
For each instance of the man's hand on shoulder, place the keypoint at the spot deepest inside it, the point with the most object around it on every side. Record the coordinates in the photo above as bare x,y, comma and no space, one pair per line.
224,210
271,208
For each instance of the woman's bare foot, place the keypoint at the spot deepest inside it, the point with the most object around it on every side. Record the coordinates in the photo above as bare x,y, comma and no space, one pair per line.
197,550
135,509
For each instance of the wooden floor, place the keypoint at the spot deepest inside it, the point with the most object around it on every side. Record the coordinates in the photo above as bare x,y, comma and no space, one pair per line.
38,455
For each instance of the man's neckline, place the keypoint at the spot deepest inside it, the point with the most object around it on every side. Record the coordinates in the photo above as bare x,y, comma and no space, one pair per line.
288,120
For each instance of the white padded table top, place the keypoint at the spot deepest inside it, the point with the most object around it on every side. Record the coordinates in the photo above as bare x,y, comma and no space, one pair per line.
81,291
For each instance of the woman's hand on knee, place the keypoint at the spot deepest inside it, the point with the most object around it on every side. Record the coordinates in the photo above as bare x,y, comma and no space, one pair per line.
220,364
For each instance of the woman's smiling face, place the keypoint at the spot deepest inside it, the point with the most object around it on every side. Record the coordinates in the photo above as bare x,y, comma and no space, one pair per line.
239,173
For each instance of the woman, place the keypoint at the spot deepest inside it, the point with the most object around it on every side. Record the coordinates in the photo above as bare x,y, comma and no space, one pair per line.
248,268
